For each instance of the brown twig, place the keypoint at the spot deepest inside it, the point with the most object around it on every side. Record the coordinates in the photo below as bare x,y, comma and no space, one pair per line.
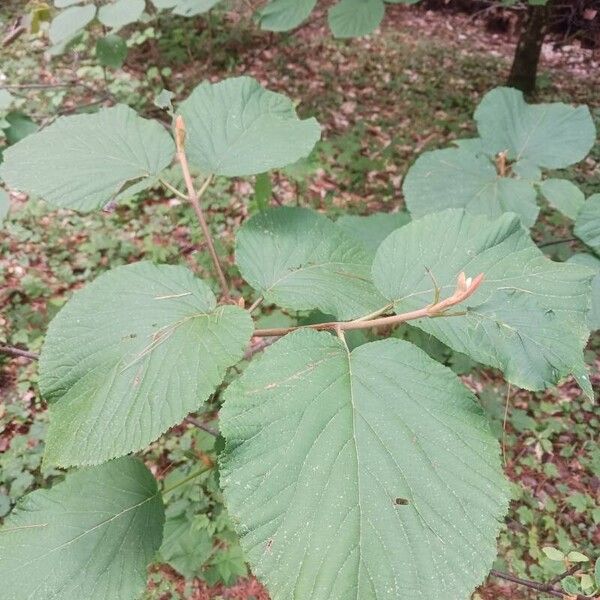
546,588
464,289
18,353
194,199
193,421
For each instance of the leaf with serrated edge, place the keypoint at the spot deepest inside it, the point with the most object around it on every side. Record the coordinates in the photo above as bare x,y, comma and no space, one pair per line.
457,178
129,356
553,135
84,161
300,260
372,229
283,15
355,18
563,195
90,537
528,318
120,13
236,127
68,23
370,474
592,262
587,223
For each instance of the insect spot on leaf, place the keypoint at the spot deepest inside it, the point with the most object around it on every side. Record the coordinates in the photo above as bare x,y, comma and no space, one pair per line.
400,501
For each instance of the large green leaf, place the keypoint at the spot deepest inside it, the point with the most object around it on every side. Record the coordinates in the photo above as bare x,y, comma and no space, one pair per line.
84,161
300,260
593,263
129,356
4,204
186,547
548,135
457,178
587,224
90,537
186,8
563,195
237,128
372,229
528,318
283,15
67,24
355,18
369,474
120,13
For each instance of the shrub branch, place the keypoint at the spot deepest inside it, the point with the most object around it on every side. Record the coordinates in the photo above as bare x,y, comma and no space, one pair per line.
464,289
194,199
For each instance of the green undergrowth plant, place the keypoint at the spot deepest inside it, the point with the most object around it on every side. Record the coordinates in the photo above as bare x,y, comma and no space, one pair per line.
349,468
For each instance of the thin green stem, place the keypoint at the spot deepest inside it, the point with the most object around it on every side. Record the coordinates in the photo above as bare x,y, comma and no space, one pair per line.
173,189
186,480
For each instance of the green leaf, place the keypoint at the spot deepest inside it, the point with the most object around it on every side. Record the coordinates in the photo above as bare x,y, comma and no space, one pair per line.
4,204
587,260
587,223
528,318
553,553
90,537
237,128
597,572
6,99
111,51
120,13
184,547
350,475
548,135
563,195
67,24
355,18
456,178
263,190
84,161
300,260
283,15
570,585
129,356
373,229
575,556
19,127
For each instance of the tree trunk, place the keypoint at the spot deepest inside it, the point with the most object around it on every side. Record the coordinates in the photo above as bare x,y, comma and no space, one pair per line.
523,72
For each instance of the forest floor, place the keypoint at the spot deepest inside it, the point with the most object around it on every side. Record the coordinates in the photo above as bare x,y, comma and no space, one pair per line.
382,100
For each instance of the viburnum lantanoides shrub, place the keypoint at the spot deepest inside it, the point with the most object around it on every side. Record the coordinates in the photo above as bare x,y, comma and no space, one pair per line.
502,170
362,471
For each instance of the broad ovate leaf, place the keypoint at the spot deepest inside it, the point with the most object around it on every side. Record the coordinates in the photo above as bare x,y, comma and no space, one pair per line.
91,536
528,318
369,474
283,15
129,356
587,223
457,178
67,24
84,161
4,204
301,260
563,195
236,128
372,229
355,18
120,13
593,263
552,135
